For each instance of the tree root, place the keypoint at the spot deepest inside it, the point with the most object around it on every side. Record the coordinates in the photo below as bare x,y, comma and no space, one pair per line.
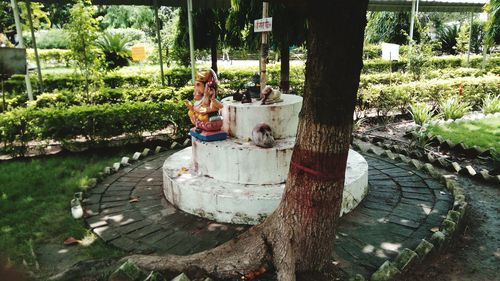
244,254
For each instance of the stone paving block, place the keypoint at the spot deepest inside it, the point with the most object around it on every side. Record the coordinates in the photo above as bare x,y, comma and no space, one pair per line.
96,221
117,193
417,190
91,209
114,198
417,202
403,221
417,216
153,238
131,183
433,184
417,184
113,204
442,206
378,176
106,233
382,183
124,243
133,226
126,218
139,233
418,196
173,240
376,205
92,199
118,209
99,189
117,187
442,195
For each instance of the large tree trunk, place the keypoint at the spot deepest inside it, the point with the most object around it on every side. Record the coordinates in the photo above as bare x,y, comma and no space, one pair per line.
311,203
213,55
285,66
298,236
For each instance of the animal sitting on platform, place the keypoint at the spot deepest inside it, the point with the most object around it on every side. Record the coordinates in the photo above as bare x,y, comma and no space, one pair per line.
262,136
270,96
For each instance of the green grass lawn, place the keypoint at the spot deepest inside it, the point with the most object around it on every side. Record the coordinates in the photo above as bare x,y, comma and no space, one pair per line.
35,199
484,133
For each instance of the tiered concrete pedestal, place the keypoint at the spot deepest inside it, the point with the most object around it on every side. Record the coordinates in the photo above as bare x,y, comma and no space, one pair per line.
237,182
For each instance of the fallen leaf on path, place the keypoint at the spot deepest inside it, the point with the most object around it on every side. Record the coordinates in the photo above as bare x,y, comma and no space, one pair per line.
133,200
71,241
435,229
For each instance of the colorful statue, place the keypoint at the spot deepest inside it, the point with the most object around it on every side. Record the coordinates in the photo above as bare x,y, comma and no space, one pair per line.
204,111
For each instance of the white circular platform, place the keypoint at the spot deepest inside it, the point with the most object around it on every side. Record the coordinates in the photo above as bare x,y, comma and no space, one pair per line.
241,118
242,203
243,162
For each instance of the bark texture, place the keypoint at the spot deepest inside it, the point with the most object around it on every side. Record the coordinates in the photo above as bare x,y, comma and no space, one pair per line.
213,56
298,236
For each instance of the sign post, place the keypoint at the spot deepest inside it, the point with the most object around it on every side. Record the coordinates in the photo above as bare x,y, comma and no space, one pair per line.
390,52
263,25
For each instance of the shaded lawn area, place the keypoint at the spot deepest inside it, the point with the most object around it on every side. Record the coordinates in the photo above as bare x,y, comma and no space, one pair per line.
484,133
35,199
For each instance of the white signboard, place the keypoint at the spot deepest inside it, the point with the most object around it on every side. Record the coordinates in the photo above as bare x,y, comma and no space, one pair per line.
390,51
263,25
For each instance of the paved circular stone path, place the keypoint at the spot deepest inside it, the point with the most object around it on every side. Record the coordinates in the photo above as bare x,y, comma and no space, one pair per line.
401,208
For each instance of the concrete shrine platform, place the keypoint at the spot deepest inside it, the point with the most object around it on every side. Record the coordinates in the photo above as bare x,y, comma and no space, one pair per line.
401,208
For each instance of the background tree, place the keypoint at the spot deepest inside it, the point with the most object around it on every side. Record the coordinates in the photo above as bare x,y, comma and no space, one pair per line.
82,32
209,27
38,15
493,24
289,28
389,27
58,12
139,17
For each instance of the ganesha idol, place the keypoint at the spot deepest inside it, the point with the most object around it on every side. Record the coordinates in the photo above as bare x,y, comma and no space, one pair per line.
204,110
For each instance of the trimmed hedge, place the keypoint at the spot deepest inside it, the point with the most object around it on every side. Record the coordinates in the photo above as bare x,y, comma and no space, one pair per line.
93,122
389,97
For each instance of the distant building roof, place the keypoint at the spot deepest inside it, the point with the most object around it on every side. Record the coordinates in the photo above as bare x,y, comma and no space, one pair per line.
428,5
373,5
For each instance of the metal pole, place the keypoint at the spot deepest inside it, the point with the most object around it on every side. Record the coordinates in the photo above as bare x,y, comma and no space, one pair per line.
37,58
159,42
264,50
19,31
485,49
412,23
470,37
191,37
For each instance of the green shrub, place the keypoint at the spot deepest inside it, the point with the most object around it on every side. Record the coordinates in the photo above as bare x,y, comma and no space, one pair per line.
453,108
114,47
93,122
50,57
491,104
49,39
422,113
474,89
